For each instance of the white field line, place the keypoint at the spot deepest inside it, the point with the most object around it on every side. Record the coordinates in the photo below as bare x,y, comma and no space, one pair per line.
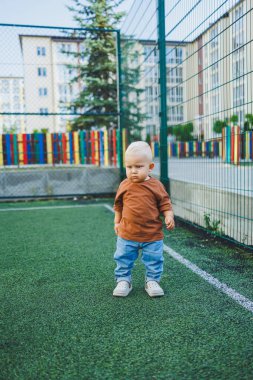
243,301
49,207
108,207
237,297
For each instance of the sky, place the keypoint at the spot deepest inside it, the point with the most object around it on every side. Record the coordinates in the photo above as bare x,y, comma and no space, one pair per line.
140,22
43,12
31,12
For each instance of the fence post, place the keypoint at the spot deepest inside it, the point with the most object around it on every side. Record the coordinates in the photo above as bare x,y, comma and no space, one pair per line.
120,106
163,94
1,151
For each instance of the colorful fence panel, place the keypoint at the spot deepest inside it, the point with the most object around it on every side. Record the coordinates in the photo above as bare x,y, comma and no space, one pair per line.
190,149
83,147
236,146
102,148
233,147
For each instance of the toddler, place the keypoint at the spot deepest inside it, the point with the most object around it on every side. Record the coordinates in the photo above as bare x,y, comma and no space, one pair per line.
139,201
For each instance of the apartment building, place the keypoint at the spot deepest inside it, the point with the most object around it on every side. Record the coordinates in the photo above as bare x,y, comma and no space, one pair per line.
209,78
219,71
148,62
47,80
49,91
12,103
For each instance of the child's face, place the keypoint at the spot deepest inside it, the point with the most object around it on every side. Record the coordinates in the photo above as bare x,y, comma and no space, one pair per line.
138,167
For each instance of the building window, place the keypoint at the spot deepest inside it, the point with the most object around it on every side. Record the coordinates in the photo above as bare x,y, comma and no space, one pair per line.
44,111
175,75
149,54
175,94
214,56
238,95
174,55
41,50
16,107
176,113
15,90
42,72
214,37
238,29
149,91
238,41
179,55
238,17
5,87
215,103
65,49
214,80
238,68
6,107
43,91
151,129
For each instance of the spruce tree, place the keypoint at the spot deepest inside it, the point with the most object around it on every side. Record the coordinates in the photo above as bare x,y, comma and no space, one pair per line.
97,67
97,70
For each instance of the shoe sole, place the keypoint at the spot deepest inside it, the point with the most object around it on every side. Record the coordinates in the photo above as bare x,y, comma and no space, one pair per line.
122,294
154,294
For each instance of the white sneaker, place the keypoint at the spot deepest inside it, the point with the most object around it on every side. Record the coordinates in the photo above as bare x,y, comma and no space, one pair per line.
154,289
122,289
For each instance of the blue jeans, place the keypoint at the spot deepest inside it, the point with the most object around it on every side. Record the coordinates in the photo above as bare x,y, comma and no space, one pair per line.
127,252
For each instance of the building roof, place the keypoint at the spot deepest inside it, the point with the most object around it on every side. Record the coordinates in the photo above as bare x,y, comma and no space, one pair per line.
54,38
154,42
224,15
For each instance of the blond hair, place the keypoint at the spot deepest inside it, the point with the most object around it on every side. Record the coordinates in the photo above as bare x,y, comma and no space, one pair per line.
140,148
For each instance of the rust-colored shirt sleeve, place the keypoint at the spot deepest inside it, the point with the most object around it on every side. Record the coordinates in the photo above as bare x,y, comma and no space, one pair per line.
118,201
164,202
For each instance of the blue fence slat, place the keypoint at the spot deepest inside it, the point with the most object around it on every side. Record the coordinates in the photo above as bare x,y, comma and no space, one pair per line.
55,155
190,148
41,150
60,151
101,148
71,155
250,146
228,144
174,152
29,148
216,148
8,149
85,150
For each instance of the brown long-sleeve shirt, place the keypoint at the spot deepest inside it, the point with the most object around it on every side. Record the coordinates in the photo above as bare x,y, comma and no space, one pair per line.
141,204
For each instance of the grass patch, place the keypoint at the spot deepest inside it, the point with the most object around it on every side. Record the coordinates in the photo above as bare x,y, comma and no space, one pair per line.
228,262
60,320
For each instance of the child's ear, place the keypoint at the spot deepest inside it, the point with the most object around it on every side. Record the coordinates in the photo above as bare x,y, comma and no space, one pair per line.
151,166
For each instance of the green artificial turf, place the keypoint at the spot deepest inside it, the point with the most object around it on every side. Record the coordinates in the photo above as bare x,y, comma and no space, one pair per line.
60,320
227,262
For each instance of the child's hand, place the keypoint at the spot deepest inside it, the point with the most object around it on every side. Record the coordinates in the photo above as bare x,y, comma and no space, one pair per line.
169,221
116,228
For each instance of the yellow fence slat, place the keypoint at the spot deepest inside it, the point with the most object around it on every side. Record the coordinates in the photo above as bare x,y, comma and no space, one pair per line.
106,152
49,148
67,147
96,148
20,149
76,148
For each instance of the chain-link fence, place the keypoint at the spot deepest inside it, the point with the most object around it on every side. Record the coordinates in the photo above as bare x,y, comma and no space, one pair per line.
207,73
181,80
58,109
